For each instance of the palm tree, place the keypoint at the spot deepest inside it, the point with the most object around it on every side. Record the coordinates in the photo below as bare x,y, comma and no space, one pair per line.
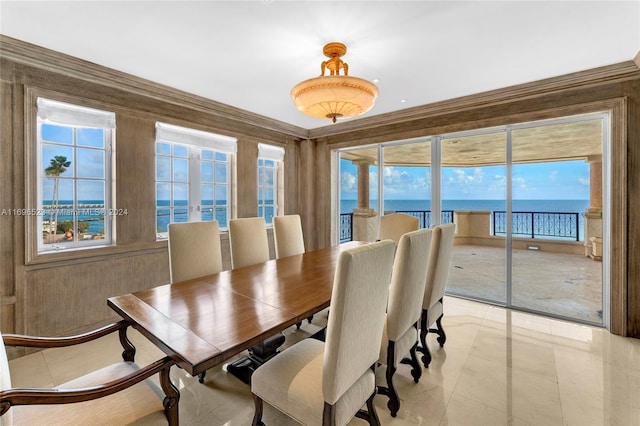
57,166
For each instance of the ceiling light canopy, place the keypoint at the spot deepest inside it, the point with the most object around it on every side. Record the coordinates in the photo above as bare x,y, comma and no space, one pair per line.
334,95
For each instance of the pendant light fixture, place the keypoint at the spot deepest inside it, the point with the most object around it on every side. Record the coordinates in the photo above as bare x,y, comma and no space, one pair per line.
335,95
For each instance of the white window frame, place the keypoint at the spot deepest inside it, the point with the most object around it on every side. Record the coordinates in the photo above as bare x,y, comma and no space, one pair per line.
195,141
275,154
75,117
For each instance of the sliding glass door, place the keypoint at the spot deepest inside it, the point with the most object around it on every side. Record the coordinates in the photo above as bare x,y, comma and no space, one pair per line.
556,219
473,182
527,199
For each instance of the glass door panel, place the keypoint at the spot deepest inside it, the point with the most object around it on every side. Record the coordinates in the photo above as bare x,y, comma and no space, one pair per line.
406,181
473,188
557,206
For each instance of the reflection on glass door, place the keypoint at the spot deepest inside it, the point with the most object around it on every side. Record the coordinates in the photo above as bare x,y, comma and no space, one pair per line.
406,183
473,187
556,239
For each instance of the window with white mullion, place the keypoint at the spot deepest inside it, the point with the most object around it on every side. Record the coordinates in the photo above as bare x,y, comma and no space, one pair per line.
270,160
206,181
74,166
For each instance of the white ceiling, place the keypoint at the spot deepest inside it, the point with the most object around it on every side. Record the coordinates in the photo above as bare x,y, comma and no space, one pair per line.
250,54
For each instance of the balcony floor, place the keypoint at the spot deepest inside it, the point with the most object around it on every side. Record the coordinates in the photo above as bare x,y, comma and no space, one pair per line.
560,284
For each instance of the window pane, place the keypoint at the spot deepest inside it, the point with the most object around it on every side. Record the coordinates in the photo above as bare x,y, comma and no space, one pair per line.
221,173
221,157
180,170
163,168
180,194
221,194
60,134
180,151
221,217
163,148
163,194
57,160
268,196
163,216
91,137
91,192
268,214
206,171
206,213
91,163
207,154
181,215
206,195
260,212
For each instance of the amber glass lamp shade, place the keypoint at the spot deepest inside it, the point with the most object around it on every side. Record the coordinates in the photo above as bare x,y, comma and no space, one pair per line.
334,96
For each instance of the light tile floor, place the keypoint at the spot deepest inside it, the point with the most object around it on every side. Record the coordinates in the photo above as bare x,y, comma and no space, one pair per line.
498,367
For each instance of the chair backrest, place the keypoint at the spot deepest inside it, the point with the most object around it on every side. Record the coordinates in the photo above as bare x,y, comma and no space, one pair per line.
287,235
439,263
394,225
356,317
408,282
248,241
194,250
5,382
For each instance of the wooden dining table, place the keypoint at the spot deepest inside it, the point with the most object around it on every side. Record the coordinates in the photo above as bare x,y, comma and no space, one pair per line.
204,322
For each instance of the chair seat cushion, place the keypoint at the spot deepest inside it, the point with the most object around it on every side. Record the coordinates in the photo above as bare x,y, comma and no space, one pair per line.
402,345
143,400
292,383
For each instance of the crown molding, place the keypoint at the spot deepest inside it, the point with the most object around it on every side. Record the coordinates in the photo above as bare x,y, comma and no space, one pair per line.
35,56
607,74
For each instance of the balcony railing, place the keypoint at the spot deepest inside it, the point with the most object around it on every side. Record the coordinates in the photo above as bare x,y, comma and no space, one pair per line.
539,224
528,224
346,227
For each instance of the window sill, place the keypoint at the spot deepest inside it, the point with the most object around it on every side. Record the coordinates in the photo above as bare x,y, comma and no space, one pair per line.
57,258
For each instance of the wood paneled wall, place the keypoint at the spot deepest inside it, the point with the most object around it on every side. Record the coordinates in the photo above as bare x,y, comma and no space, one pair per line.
66,292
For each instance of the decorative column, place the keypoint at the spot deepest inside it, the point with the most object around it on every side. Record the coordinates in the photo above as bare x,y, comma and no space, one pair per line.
593,214
365,224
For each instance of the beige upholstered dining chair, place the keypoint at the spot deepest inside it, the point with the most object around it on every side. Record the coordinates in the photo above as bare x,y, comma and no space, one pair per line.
194,250
400,335
437,274
249,245
120,393
288,239
248,241
328,383
394,225
287,235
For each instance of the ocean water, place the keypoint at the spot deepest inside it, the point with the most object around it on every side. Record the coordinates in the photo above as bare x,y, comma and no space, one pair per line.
552,206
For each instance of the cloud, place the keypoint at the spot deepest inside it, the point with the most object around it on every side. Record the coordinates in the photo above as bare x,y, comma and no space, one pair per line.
348,182
553,176
584,181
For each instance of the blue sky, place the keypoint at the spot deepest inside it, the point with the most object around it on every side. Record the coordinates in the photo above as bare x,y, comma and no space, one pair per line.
566,180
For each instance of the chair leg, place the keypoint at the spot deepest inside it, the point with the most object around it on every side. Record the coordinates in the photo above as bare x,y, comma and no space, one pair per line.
424,330
310,319
442,337
298,324
390,391
129,352
373,415
416,370
201,376
329,415
172,396
257,415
